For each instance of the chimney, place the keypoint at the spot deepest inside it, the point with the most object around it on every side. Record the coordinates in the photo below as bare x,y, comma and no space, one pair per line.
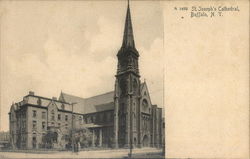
31,93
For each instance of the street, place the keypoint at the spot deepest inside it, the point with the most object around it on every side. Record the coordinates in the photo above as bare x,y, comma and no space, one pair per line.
119,153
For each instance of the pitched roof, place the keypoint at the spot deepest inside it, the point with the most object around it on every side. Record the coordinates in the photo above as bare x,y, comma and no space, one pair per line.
142,85
93,104
101,102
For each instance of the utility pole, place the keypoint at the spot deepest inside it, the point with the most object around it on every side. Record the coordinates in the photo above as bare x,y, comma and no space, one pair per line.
131,126
72,128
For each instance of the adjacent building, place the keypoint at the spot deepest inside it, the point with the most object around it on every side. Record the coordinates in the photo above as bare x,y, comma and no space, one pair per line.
118,118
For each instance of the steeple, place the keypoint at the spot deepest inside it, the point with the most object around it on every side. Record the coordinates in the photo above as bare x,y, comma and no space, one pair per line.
127,89
128,37
128,55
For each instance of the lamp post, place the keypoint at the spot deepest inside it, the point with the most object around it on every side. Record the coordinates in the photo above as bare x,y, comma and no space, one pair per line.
72,128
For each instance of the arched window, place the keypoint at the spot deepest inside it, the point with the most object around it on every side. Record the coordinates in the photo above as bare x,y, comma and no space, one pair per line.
134,107
135,86
123,86
144,104
134,121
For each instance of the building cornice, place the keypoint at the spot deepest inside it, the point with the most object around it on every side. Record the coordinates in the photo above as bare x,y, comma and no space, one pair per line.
46,98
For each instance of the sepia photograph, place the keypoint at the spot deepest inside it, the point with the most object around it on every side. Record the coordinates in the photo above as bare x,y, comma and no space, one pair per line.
82,77
124,79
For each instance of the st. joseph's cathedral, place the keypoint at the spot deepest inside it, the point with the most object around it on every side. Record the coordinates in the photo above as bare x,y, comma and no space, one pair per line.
118,118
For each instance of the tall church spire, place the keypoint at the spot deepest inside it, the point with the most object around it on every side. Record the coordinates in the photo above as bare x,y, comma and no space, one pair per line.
127,89
128,55
128,37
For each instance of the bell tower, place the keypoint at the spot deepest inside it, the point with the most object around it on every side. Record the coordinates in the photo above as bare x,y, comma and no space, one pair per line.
127,90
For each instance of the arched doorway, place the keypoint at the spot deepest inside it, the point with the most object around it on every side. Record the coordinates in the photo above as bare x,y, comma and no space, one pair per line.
135,142
145,141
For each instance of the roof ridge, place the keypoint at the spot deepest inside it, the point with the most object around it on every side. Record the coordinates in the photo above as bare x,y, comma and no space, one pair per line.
72,95
100,94
88,97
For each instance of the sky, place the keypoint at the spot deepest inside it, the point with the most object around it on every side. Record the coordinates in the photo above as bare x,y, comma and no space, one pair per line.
71,46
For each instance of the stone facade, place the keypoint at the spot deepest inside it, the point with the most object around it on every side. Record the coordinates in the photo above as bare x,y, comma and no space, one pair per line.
34,116
121,118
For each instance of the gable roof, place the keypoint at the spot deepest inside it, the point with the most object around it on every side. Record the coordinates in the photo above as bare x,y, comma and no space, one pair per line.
93,104
101,102
144,87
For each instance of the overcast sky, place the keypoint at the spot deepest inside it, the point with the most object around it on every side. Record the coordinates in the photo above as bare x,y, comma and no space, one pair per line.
71,46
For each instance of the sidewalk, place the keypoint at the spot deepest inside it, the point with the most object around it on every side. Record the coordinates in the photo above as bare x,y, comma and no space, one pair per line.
113,153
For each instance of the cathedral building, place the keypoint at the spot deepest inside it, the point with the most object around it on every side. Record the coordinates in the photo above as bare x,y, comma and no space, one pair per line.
119,119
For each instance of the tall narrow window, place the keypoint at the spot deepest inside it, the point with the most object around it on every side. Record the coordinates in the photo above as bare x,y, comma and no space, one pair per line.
145,104
123,86
43,115
34,140
135,86
66,117
52,115
43,126
24,124
33,124
59,116
34,113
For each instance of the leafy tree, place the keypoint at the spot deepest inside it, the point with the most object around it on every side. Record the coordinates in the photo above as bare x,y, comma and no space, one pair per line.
82,136
49,138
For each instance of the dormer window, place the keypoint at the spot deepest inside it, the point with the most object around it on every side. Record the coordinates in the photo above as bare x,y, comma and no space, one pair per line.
63,106
39,101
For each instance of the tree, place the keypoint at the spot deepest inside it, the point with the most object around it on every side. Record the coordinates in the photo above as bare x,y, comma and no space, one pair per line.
49,138
82,136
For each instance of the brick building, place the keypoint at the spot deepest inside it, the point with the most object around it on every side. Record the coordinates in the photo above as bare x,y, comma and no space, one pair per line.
118,118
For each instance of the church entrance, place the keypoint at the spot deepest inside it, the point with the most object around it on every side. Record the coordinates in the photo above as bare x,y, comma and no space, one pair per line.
135,144
145,141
